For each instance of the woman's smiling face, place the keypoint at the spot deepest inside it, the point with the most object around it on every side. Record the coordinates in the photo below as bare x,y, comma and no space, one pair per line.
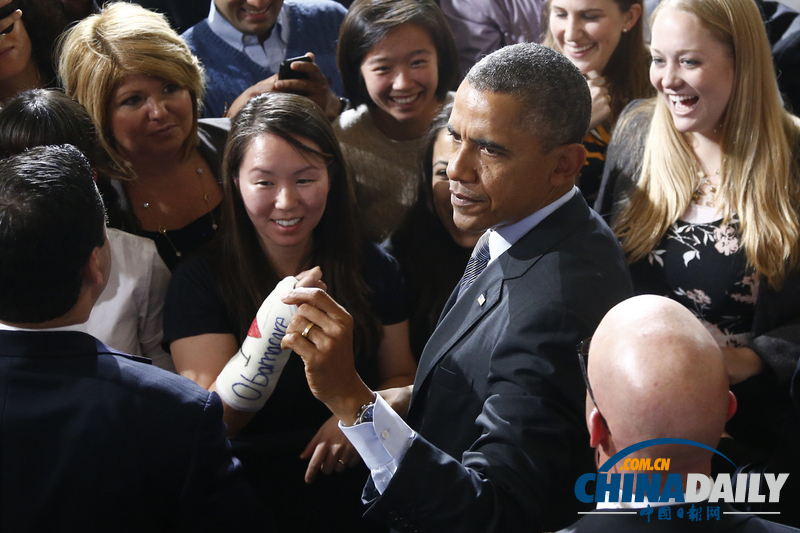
284,190
588,31
692,71
401,74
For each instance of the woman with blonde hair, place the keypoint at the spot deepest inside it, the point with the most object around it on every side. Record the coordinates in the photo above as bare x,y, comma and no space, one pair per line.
605,40
707,189
143,89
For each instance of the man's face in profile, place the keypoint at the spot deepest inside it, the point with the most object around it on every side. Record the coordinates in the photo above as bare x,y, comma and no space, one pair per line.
251,17
498,173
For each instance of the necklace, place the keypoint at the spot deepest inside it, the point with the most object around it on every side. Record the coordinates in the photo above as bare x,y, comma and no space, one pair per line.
706,191
162,230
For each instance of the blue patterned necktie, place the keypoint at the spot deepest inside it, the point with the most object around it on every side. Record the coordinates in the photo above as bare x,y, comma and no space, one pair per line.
476,264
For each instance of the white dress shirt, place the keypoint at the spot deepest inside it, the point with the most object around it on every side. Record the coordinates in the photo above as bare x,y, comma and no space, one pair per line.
383,442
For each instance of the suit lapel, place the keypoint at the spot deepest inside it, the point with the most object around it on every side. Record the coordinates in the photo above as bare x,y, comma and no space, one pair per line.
461,316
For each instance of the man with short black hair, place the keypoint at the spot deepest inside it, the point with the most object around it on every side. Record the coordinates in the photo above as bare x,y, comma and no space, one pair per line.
91,439
495,437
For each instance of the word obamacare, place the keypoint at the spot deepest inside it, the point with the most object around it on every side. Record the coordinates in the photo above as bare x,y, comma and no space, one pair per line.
251,388
698,488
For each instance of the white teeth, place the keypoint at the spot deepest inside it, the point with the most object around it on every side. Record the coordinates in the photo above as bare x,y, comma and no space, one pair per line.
255,12
681,101
405,100
577,49
287,223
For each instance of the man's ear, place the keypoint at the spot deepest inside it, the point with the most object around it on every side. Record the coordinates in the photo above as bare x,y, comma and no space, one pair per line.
598,432
93,274
732,405
570,161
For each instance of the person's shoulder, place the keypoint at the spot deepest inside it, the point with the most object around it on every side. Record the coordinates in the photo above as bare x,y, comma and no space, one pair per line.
352,119
378,257
583,223
584,242
213,136
189,35
198,268
214,126
137,262
150,385
630,136
131,244
637,114
316,8
195,280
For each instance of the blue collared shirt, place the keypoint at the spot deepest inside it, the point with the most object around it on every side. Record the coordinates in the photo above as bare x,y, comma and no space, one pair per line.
268,54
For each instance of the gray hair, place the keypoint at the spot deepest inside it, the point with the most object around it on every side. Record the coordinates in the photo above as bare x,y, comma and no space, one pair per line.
554,94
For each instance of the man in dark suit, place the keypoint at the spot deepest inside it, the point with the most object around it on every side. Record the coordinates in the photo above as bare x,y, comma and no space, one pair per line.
91,439
656,372
498,437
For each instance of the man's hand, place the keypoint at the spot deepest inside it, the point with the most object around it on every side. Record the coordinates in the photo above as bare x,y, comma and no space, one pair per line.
327,352
264,86
329,451
314,88
7,22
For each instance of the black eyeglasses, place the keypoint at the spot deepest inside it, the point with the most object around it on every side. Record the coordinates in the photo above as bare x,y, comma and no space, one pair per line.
583,357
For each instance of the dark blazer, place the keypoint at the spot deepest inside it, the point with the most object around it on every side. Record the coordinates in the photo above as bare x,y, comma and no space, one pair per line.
92,440
498,399
729,523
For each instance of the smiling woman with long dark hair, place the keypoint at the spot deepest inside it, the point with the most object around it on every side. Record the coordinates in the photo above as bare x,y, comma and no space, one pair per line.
288,208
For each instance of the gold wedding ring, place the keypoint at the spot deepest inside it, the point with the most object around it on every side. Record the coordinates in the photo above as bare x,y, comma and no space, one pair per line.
342,462
308,328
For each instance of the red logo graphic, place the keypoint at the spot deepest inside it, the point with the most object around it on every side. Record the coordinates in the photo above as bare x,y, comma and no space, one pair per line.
254,331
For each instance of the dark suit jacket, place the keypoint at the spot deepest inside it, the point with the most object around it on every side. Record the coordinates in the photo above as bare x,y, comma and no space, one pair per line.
729,523
91,440
498,399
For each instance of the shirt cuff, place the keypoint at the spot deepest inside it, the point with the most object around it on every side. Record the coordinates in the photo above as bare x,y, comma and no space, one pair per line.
382,443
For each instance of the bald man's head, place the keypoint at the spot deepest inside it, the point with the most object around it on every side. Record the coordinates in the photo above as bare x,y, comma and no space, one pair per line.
656,372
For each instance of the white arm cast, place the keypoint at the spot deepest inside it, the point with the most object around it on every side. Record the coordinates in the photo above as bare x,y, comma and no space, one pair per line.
249,378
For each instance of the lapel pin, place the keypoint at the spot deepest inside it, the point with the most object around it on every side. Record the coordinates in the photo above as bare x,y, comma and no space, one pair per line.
481,299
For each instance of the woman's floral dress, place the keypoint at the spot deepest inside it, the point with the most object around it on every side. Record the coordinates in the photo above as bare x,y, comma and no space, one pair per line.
703,267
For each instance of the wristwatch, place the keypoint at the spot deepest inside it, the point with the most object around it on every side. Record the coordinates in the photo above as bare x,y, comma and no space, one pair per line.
365,414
